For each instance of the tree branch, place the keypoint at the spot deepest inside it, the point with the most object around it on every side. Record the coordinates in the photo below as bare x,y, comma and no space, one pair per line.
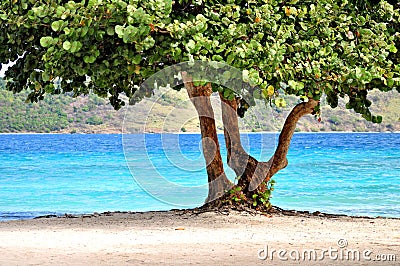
300,110
232,135
279,160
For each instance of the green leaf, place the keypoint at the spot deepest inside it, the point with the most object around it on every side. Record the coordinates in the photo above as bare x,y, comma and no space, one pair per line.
46,41
57,25
190,46
292,84
67,31
245,76
230,58
303,26
280,102
148,43
119,30
89,59
196,83
217,58
45,76
110,31
84,31
358,72
254,77
392,48
75,46
264,93
130,34
60,10
227,93
67,45
360,20
136,59
144,30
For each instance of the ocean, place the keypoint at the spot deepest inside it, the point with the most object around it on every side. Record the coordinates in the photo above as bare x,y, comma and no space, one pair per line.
41,174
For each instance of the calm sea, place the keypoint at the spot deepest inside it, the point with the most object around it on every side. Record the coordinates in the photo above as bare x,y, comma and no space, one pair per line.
346,173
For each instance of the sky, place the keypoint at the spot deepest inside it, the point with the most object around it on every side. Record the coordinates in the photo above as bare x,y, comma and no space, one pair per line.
3,69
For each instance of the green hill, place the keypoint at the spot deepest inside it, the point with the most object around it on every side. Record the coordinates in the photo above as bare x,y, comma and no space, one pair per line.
173,112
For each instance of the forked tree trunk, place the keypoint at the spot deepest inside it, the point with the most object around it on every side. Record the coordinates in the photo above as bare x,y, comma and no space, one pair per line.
200,96
252,173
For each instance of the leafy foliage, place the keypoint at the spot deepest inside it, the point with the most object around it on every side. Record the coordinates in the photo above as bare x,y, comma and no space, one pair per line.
109,41
260,199
236,196
302,48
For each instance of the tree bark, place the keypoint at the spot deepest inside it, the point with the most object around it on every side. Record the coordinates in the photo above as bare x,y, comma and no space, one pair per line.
279,160
252,173
200,97
245,166
300,110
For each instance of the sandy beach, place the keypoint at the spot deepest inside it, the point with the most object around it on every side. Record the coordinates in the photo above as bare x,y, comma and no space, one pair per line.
187,238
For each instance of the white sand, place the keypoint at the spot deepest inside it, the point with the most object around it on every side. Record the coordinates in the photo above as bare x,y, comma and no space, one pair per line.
177,238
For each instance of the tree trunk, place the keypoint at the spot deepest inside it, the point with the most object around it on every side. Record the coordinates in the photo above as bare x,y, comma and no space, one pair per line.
245,166
200,96
253,173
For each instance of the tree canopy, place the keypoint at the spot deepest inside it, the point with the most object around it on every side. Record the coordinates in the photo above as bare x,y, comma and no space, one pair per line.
304,48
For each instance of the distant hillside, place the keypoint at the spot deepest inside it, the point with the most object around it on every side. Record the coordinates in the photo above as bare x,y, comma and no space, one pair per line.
172,112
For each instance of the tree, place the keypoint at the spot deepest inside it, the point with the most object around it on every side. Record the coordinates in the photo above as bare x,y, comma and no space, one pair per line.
304,48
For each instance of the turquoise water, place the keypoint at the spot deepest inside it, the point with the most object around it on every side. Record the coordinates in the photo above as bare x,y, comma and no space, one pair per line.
347,173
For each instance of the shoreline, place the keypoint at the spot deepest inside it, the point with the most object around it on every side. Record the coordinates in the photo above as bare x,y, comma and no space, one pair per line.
274,210
188,237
